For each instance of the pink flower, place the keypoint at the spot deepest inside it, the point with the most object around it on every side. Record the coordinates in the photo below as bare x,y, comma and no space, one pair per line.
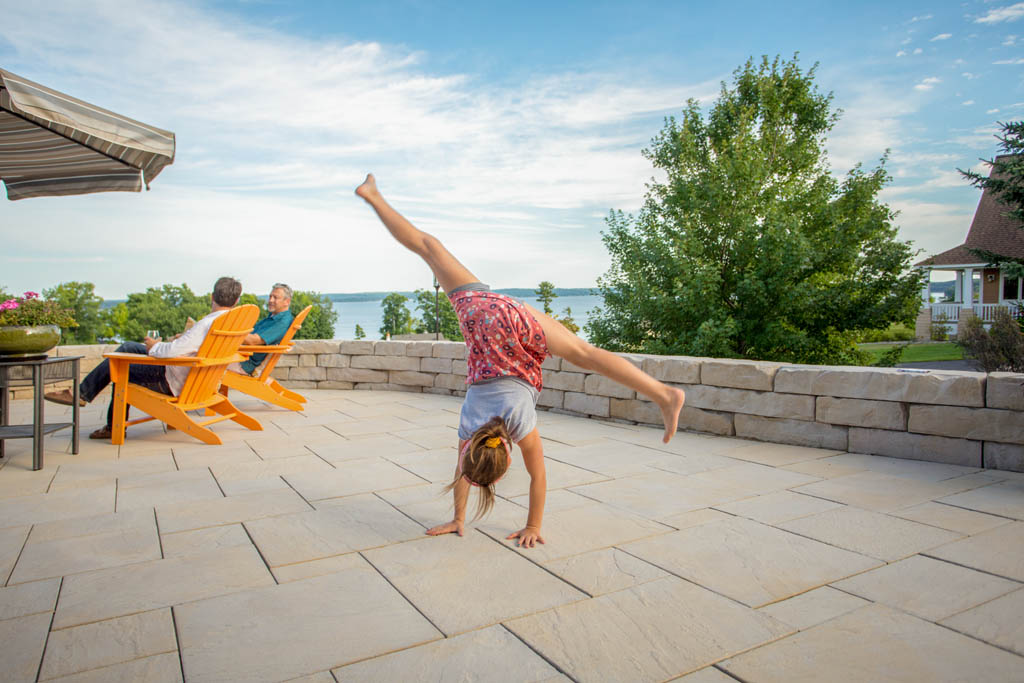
31,295
8,305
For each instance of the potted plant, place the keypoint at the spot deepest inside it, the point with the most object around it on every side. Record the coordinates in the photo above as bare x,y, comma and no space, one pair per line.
30,326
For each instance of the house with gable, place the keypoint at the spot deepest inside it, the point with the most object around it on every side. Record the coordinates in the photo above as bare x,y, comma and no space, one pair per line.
980,287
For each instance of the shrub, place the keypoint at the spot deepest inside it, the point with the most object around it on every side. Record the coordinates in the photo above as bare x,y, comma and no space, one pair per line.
1000,348
940,328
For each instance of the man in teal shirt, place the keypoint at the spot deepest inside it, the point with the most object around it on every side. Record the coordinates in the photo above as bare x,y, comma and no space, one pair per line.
271,329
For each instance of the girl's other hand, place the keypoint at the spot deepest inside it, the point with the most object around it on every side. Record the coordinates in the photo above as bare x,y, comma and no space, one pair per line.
453,527
528,537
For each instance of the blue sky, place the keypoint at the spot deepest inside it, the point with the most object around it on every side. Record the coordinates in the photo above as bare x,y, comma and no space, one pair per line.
507,129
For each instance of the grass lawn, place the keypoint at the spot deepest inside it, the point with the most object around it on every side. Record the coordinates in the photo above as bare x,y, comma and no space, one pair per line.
916,352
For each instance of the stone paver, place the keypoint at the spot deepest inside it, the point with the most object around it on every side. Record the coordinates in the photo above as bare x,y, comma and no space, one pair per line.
299,628
462,583
749,562
682,627
876,643
870,533
489,654
927,588
299,553
105,643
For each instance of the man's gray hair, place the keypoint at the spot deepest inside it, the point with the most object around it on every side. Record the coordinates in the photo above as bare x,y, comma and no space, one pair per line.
226,291
284,288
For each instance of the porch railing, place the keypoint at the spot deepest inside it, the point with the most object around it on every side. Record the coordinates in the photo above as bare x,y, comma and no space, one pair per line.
987,312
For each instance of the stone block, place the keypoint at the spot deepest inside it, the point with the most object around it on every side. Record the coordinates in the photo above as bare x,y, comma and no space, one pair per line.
390,348
307,360
983,424
700,420
460,367
333,384
856,412
385,362
551,363
551,398
566,381
358,347
420,349
764,403
411,378
570,367
430,364
373,386
585,404
915,446
739,374
317,346
1004,456
289,360
280,373
298,384
303,373
333,360
635,410
884,384
456,350
90,351
796,432
356,375
1005,390
678,369
450,382
437,390
598,385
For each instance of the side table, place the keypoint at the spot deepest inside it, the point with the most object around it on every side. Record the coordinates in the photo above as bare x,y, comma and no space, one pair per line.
37,372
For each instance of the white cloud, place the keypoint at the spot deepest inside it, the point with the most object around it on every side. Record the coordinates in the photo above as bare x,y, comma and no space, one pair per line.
906,41
918,50
968,103
995,16
969,76
901,53
927,83
941,36
923,17
991,111
933,227
1010,41
1010,61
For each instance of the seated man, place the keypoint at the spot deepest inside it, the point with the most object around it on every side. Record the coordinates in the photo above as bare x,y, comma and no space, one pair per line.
270,330
163,379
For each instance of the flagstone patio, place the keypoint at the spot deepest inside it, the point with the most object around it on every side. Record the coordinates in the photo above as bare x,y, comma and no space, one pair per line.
298,552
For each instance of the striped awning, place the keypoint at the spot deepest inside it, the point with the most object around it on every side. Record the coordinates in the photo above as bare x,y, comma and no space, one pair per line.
52,144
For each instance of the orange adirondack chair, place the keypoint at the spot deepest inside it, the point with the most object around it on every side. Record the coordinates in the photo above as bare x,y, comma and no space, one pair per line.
265,387
218,350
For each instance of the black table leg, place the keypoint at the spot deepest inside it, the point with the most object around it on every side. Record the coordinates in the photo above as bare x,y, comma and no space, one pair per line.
5,407
74,408
37,415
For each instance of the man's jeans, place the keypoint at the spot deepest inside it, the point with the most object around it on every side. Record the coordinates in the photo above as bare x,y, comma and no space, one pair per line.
149,376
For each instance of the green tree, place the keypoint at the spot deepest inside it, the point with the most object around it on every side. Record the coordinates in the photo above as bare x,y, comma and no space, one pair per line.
751,248
161,308
1006,182
546,294
396,318
81,299
319,324
449,321
567,320
359,333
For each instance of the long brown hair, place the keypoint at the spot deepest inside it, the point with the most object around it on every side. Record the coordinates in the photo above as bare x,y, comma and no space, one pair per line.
484,465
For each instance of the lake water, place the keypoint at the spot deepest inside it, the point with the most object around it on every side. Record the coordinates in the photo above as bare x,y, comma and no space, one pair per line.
367,314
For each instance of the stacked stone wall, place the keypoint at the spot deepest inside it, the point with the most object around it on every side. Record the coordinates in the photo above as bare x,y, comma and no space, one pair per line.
961,418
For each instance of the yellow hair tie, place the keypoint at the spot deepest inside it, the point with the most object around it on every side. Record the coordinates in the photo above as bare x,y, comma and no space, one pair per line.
493,442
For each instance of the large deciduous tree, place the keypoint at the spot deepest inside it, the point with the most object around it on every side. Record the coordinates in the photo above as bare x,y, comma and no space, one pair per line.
750,247
395,315
83,302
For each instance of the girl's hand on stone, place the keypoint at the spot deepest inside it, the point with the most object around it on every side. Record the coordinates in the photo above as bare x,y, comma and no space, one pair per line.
453,527
528,537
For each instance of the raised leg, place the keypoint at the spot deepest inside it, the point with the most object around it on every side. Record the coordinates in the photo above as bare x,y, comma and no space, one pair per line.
565,344
447,269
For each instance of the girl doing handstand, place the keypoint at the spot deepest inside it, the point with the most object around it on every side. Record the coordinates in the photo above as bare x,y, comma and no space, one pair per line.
506,342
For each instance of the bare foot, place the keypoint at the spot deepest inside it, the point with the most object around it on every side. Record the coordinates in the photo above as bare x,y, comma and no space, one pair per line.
369,188
670,412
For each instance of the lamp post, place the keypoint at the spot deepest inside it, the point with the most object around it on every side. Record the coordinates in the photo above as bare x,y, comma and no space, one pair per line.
437,308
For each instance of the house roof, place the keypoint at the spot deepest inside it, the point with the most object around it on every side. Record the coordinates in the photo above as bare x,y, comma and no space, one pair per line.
991,230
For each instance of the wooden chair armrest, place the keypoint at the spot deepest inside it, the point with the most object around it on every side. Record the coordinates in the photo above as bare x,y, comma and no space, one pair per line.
142,359
266,348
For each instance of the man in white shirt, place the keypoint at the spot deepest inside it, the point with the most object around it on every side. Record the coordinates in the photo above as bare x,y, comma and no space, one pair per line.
163,379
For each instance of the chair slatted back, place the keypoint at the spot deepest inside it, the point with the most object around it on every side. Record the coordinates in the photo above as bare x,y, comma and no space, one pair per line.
268,366
222,341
